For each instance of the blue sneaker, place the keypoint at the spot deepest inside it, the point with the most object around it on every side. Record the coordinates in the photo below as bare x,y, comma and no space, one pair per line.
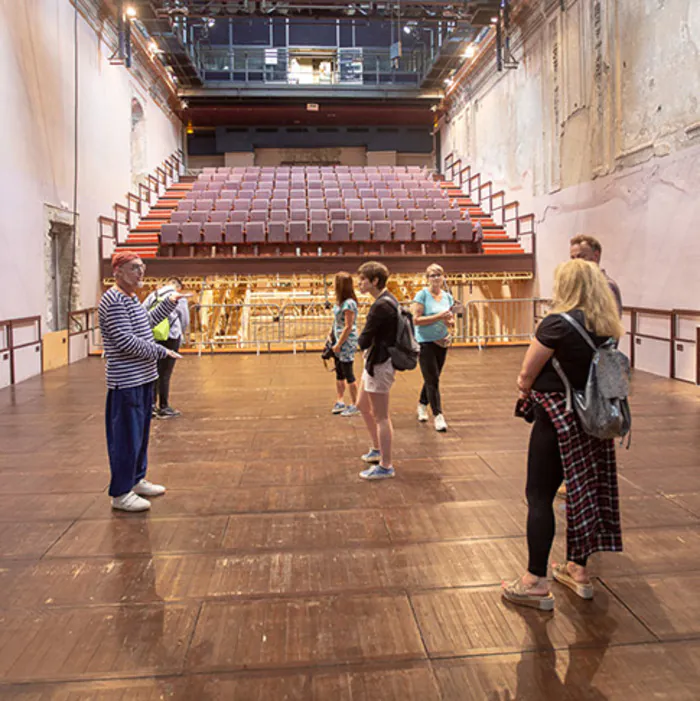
373,457
350,410
377,472
338,408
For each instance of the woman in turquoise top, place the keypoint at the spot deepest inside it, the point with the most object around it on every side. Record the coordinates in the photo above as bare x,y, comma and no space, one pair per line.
345,344
432,316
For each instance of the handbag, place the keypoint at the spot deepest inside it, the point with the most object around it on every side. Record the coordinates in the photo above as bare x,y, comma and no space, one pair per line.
327,352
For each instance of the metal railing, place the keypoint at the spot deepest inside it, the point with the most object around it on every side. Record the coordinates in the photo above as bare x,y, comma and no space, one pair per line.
83,334
275,66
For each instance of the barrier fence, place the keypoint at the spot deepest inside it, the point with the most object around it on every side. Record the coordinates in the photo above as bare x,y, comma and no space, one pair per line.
304,325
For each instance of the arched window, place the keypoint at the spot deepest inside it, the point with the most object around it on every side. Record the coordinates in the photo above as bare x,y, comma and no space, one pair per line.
138,143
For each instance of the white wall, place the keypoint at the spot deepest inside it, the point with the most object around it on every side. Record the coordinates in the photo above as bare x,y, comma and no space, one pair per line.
37,142
598,131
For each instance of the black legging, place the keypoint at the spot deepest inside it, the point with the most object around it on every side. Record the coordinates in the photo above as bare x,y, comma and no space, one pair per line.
165,371
544,475
432,359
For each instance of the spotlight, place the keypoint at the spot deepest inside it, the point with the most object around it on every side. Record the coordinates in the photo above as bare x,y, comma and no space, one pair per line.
470,51
131,11
406,29
211,22
449,81
494,20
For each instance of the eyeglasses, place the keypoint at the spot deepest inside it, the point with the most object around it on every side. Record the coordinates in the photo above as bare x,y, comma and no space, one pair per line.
138,267
434,276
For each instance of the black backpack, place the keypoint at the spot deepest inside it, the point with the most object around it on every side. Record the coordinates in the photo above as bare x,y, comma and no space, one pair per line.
405,351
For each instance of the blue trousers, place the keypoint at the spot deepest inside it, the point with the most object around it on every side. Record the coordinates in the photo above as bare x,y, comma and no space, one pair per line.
128,421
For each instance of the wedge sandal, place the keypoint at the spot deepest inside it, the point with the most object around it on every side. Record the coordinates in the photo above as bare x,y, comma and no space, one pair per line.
561,575
517,593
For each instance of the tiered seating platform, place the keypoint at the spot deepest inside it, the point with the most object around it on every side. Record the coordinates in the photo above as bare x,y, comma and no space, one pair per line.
319,212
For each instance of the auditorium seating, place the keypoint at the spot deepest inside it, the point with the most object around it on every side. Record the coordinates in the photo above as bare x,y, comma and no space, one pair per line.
315,205
293,210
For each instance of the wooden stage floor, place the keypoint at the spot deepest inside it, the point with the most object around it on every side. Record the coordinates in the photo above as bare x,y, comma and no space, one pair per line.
270,572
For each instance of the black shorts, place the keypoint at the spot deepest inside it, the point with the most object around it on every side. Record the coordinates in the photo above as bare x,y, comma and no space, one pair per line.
344,371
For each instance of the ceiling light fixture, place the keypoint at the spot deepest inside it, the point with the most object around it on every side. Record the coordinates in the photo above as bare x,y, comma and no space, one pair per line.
470,51
494,20
130,11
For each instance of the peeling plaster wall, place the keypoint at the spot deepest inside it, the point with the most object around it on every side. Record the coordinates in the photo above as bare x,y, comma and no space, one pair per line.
37,143
598,131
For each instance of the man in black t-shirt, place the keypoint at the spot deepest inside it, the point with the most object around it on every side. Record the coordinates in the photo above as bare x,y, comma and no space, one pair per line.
589,248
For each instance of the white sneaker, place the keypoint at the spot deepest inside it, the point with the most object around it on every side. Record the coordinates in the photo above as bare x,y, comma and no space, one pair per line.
144,488
440,423
422,412
130,502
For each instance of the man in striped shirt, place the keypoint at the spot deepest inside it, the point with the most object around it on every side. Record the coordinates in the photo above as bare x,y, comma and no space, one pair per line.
132,357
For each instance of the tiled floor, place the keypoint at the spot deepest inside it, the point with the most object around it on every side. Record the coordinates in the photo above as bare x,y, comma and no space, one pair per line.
270,572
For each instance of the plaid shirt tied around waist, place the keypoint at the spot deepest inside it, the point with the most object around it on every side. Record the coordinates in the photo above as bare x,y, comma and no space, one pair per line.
590,472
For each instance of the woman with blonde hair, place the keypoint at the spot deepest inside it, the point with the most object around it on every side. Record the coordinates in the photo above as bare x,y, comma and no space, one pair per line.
432,317
345,338
559,448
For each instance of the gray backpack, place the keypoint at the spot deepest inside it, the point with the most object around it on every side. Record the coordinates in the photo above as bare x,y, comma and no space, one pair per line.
602,407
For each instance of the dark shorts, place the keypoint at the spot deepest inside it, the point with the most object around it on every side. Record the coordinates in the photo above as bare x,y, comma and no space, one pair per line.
344,371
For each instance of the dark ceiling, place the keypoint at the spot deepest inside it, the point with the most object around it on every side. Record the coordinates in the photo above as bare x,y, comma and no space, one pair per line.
329,114
478,13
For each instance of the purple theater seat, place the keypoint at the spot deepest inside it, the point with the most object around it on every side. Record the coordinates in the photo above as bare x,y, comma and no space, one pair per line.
376,214
318,215
191,233
453,215
298,215
199,186
332,192
279,215
424,203
370,203
255,232
203,205
407,203
433,214
277,232
334,203
441,203
219,216
233,232
316,203
297,203
383,192
464,230
199,217
366,193
278,204
258,215
396,214
402,230
223,204
185,205
180,217
340,230
319,231
260,205
423,230
381,230
361,231
388,203
399,193
444,230
357,215
415,214
239,215
169,233
338,214
298,232
213,232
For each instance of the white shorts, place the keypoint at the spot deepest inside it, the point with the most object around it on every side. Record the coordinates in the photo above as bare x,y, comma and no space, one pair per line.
382,380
